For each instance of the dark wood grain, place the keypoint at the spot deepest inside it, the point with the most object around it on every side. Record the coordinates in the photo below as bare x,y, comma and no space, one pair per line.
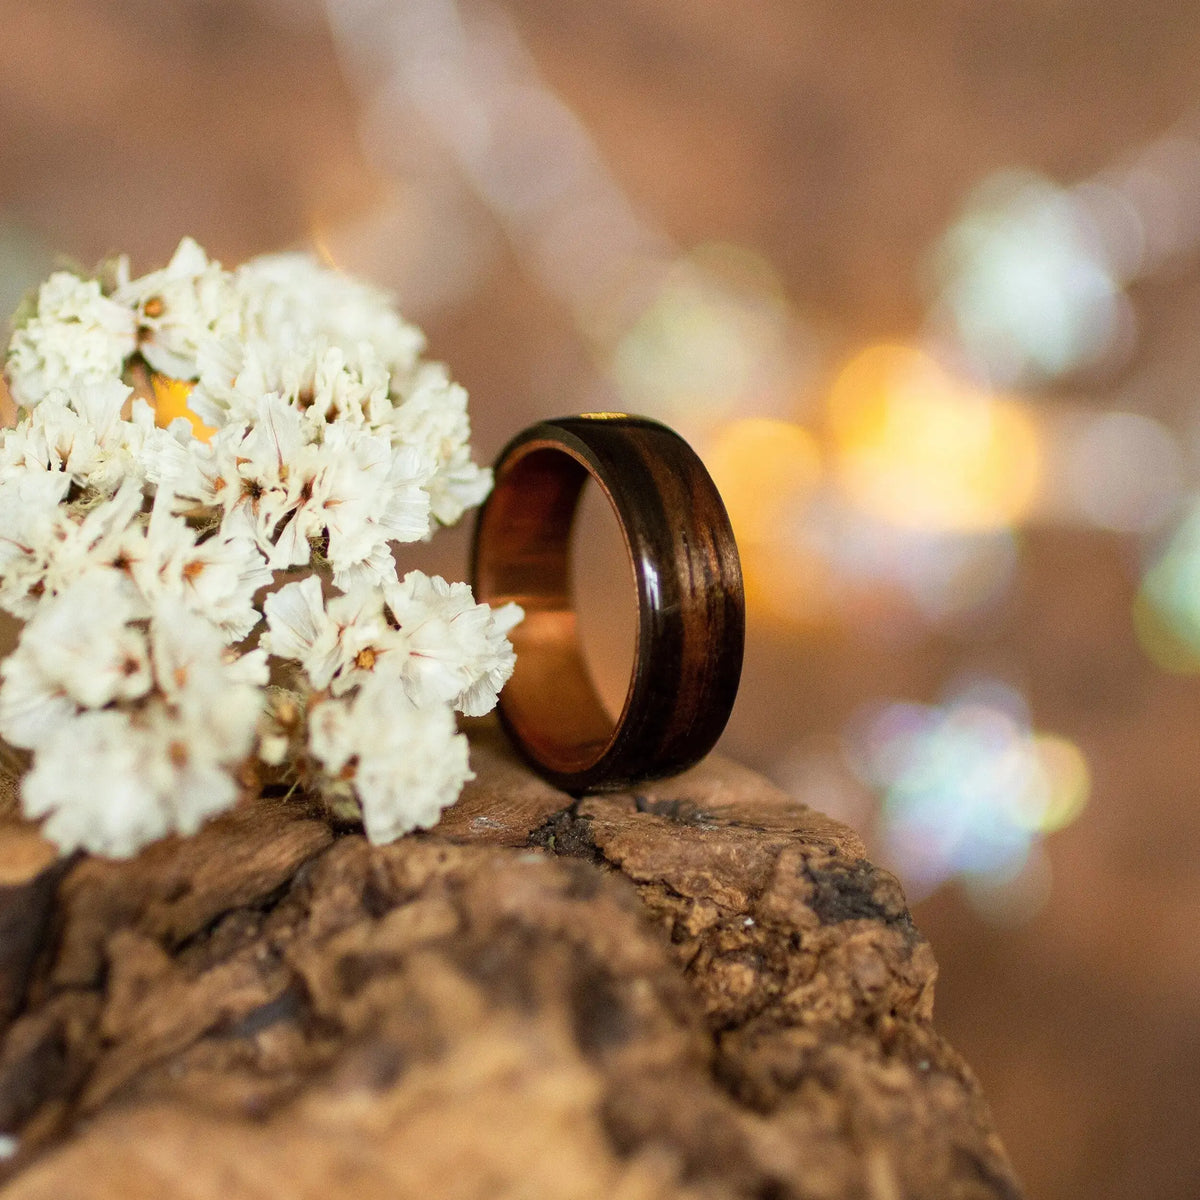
691,609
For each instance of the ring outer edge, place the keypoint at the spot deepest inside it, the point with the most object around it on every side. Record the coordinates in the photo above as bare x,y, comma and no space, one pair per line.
623,765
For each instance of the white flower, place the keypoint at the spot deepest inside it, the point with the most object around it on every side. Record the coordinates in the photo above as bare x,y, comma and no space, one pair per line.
310,374
31,707
337,644
342,389
457,650
135,554
120,807
153,454
128,449
495,667
180,307
219,579
53,438
363,496
201,676
292,299
78,335
244,471
198,473
226,388
30,511
161,766
235,373
81,433
252,487
100,404
89,537
80,650
46,549
405,764
351,492
441,646
215,578
299,628
433,418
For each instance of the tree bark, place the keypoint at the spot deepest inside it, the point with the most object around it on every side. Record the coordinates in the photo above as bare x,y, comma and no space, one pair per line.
699,990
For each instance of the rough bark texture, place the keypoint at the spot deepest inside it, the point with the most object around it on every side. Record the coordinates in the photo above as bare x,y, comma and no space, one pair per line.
702,990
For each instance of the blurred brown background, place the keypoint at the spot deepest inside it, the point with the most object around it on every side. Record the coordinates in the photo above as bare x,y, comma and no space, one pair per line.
920,280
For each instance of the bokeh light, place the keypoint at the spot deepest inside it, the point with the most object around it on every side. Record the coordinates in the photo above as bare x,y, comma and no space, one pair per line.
716,341
766,471
922,450
1160,183
967,787
1121,471
1166,612
1024,286
946,577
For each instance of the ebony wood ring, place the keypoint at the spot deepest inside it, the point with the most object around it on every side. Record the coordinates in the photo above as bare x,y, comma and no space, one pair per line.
691,608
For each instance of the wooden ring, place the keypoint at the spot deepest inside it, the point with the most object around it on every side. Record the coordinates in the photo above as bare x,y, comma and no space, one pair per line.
691,607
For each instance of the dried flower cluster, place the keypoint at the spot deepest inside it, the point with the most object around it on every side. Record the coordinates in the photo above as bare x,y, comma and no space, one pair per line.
157,675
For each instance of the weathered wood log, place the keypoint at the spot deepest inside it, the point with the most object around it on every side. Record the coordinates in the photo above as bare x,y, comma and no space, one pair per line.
699,990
